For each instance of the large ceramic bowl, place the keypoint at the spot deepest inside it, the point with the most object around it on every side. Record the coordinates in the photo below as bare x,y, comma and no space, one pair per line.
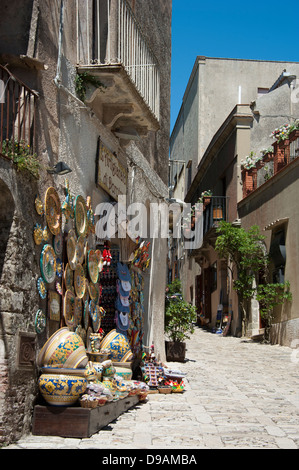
118,345
63,349
61,389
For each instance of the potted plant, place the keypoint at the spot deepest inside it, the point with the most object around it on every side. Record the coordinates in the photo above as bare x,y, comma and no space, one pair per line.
179,319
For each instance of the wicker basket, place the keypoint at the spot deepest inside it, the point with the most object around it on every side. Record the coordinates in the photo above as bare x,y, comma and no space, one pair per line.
164,389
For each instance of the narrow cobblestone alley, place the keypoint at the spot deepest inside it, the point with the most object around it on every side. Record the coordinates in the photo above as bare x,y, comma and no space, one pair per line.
239,394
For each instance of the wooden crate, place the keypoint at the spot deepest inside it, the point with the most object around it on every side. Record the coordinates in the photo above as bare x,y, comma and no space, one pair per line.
75,421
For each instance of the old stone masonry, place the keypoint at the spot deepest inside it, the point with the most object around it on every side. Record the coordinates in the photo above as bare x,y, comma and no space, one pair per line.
239,394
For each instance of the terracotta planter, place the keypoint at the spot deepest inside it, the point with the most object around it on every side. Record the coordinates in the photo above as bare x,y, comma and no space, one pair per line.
175,351
294,135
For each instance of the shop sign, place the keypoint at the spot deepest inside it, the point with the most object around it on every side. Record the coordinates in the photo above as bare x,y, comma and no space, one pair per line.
111,175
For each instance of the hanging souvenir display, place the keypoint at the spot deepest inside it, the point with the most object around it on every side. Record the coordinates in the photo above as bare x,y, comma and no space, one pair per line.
107,257
54,306
40,321
48,264
80,216
140,257
78,310
53,211
41,286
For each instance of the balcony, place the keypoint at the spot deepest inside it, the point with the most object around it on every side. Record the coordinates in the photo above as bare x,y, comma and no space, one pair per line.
215,211
17,116
112,48
284,152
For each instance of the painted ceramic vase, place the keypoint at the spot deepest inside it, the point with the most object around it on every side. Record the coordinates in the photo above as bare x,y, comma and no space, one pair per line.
63,349
61,389
124,373
118,345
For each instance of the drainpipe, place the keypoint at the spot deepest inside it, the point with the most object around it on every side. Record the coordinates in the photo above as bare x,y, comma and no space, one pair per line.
57,79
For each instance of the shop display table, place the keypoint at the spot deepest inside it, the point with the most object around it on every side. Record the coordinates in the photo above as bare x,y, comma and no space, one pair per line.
75,421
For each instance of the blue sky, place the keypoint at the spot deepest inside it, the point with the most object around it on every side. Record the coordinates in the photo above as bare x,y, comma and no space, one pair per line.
264,30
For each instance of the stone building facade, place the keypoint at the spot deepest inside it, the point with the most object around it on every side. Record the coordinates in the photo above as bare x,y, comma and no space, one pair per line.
41,48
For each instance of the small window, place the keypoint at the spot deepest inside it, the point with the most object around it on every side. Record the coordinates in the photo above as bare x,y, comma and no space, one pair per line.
262,91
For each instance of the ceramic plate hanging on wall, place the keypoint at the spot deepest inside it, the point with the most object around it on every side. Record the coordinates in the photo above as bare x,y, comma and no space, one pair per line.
80,216
93,267
68,278
40,321
80,250
69,308
59,267
79,281
48,264
41,286
38,234
58,244
53,211
71,249
86,314
39,206
94,291
78,310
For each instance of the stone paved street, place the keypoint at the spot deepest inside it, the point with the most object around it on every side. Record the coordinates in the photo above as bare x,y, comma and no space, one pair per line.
239,394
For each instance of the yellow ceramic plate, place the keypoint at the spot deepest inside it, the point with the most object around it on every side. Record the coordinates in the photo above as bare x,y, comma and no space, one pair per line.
79,281
80,249
69,308
53,211
68,278
81,216
71,249
93,267
48,264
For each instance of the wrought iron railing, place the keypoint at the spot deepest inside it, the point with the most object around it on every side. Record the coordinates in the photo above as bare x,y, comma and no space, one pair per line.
108,34
17,114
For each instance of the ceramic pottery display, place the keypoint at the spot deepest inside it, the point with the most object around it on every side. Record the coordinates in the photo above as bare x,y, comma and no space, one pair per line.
81,216
118,345
38,234
48,264
63,349
78,310
53,211
60,389
124,373
80,250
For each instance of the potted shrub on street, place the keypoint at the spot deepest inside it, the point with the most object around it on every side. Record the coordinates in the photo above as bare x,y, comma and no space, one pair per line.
179,320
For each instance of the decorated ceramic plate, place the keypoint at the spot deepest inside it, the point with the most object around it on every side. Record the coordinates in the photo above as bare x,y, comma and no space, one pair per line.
78,310
41,286
94,315
71,249
69,308
93,267
59,268
81,332
81,216
53,211
79,281
39,206
100,260
48,264
94,291
80,249
58,243
69,278
38,234
40,321
86,314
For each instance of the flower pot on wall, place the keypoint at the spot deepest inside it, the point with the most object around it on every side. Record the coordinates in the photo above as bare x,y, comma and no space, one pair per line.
175,351
294,135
